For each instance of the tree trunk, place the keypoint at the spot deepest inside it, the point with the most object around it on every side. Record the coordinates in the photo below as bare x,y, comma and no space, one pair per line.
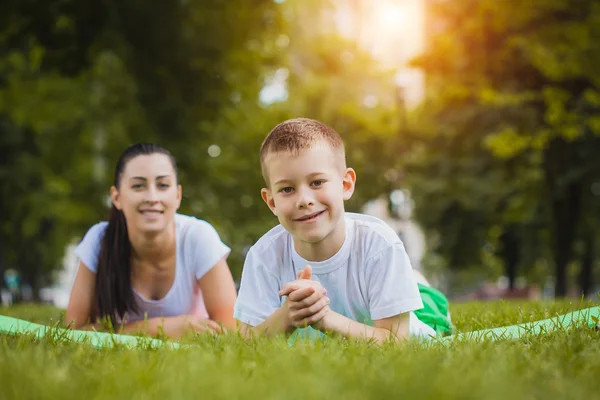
565,210
510,254
565,205
587,263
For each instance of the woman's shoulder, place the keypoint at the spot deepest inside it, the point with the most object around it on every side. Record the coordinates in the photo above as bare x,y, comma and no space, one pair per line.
191,228
89,247
96,231
200,245
189,222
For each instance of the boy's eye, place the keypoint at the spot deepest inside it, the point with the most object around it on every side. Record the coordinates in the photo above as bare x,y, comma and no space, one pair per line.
318,182
287,190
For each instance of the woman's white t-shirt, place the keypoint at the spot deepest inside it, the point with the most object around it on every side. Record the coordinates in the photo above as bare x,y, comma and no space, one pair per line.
199,248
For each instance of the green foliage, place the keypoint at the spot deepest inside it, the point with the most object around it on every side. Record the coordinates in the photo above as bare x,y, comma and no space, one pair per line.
512,96
82,80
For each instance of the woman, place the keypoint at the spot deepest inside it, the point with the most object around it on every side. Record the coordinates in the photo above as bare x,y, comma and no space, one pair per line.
148,268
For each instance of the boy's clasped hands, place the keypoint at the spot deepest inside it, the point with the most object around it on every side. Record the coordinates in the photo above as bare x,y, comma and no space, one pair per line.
307,302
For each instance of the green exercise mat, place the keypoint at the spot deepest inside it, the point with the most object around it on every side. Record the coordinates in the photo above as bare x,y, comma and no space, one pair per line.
15,326
577,319
583,318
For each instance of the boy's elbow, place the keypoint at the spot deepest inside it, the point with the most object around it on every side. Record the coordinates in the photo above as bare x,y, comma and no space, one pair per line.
395,329
389,336
244,329
399,337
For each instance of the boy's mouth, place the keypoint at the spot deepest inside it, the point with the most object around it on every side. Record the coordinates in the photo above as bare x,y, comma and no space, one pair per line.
310,217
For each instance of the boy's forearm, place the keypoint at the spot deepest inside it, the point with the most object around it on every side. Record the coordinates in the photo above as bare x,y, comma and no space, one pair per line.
276,324
349,328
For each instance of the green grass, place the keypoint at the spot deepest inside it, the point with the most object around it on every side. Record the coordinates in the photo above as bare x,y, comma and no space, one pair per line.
559,365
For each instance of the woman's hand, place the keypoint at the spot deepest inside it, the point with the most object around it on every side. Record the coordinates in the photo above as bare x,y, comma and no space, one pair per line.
181,325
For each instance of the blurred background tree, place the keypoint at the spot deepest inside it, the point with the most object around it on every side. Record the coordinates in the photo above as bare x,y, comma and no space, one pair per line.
81,80
506,164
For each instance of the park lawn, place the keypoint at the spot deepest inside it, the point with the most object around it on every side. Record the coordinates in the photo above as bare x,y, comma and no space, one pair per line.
559,365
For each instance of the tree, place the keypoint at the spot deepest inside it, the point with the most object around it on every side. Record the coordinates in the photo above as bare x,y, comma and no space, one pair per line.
81,80
515,86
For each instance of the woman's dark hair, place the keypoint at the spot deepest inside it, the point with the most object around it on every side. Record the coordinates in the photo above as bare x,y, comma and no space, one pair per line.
114,292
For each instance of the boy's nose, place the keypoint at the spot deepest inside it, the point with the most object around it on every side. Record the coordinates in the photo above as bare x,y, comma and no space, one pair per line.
305,199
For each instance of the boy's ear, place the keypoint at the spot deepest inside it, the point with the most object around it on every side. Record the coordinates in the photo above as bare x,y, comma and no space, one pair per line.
349,183
268,199
114,195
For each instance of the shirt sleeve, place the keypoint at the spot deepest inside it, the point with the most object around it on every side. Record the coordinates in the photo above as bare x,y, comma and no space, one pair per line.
392,289
207,247
258,297
89,248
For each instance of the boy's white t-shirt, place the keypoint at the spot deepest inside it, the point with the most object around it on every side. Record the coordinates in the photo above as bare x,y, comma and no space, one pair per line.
199,248
369,278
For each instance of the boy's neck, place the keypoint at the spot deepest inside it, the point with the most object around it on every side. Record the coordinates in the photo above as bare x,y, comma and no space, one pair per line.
326,248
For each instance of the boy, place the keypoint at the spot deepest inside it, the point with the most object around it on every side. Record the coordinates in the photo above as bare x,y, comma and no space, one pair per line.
335,271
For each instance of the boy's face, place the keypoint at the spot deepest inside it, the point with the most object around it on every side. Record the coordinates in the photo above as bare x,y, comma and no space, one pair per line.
307,191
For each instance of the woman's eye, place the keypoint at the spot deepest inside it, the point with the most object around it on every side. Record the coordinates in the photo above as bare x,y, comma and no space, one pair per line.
163,186
136,186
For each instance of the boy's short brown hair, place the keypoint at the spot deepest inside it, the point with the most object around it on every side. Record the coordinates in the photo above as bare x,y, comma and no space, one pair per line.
299,134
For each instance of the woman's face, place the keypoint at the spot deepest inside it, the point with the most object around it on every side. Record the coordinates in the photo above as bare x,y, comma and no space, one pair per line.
148,193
